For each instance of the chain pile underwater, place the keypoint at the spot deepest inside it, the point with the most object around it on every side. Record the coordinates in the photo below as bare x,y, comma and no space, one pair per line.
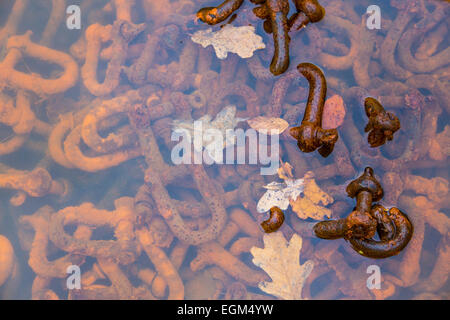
85,172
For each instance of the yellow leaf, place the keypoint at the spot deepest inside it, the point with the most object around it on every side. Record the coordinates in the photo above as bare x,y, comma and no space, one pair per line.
305,208
311,204
280,260
268,124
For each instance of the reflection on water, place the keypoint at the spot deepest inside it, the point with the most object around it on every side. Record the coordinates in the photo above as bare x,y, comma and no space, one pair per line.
83,185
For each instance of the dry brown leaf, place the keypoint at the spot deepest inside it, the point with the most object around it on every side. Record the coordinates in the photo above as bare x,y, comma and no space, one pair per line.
311,204
268,124
333,112
281,261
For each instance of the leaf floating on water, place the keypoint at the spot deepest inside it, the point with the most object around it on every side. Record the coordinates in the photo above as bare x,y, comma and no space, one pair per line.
278,194
333,112
281,261
311,205
304,195
266,124
273,197
240,40
305,208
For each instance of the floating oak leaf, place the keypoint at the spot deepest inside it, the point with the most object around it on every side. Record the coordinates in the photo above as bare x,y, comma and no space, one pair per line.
333,112
281,261
241,40
311,204
279,194
267,124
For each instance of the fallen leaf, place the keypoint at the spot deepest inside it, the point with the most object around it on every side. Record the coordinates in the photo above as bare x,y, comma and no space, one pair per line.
281,261
240,40
266,125
311,204
305,208
278,194
333,112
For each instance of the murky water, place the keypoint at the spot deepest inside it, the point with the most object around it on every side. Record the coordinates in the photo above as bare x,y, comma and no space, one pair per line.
73,189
